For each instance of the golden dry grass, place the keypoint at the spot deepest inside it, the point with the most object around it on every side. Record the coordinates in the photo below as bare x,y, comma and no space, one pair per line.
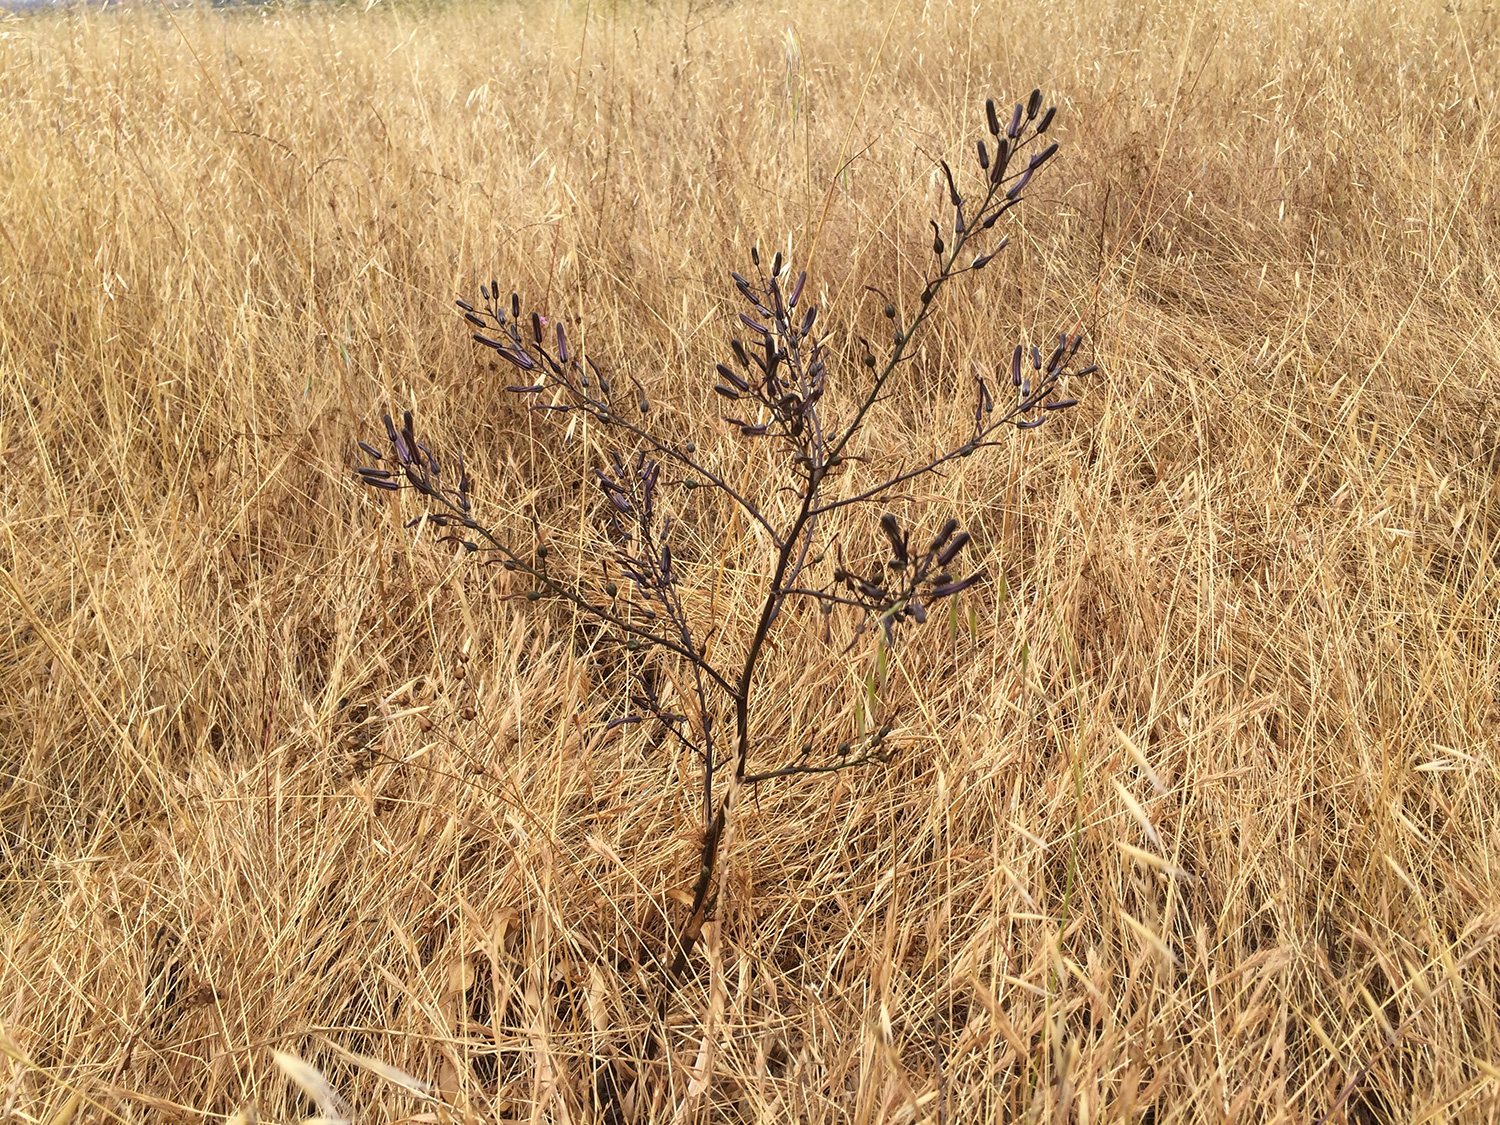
1200,825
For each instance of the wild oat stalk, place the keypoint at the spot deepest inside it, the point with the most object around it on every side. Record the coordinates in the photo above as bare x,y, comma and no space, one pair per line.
780,372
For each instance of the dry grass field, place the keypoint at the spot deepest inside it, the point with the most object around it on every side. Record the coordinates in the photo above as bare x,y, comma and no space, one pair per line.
1197,818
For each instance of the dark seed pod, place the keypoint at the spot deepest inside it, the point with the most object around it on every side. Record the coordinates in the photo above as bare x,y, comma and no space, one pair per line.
1036,357
917,613
892,531
776,266
1015,367
494,290
536,327
937,238
955,545
728,392
370,474
953,196
1060,404
468,308
949,588
732,377
1033,105
371,451
1046,119
944,534
1042,157
807,321
1002,158
755,255
1020,185
890,312
477,322
1015,123
990,117
797,290
562,344
984,155
515,305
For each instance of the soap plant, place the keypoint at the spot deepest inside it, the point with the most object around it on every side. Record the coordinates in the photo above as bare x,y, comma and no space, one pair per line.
776,387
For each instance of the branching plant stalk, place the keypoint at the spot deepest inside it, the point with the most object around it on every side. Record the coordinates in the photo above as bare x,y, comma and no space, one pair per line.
782,373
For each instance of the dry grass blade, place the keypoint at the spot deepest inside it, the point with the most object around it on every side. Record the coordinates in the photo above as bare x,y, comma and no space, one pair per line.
310,1080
